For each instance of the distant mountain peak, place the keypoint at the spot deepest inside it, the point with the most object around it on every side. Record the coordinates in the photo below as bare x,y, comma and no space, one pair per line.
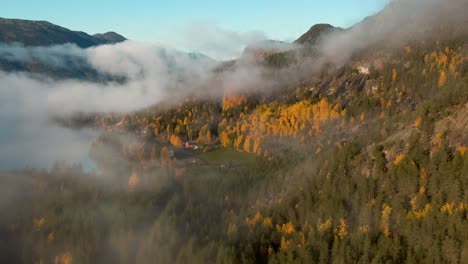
313,35
110,37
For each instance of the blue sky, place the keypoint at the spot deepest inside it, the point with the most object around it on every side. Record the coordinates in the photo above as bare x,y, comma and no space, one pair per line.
164,21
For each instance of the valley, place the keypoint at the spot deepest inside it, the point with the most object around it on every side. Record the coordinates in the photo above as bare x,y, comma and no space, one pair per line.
346,145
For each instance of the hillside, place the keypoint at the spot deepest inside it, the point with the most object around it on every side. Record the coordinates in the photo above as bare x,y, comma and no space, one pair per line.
42,33
332,155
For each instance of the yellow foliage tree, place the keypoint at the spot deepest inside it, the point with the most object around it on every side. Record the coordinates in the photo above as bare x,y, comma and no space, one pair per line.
285,244
256,145
232,100
398,159
204,136
225,139
342,229
267,222
448,208
63,259
362,117
252,222
321,227
394,75
247,145
418,122
423,212
442,79
385,219
364,229
462,150
286,229
176,141
301,120
438,139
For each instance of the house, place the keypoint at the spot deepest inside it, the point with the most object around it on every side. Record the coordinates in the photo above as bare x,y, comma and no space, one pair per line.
190,145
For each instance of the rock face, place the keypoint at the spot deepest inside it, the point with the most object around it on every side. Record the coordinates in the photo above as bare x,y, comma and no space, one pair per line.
42,33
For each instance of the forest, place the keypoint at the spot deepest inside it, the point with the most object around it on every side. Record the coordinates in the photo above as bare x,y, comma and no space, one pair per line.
362,163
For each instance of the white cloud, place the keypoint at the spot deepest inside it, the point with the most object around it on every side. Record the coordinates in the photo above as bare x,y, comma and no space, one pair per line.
219,43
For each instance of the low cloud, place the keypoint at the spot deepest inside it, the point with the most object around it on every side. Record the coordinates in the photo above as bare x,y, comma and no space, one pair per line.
217,42
152,74
27,137
402,21
29,102
55,56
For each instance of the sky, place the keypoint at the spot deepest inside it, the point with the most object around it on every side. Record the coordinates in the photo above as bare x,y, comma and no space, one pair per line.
166,22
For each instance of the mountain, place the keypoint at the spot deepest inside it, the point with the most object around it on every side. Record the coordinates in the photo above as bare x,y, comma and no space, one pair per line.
261,50
110,37
280,54
28,38
42,33
200,58
315,33
357,154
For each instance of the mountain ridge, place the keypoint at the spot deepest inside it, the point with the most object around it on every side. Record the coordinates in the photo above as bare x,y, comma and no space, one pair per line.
43,33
